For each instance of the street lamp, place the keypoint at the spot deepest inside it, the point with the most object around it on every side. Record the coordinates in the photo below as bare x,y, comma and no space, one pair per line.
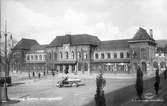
5,98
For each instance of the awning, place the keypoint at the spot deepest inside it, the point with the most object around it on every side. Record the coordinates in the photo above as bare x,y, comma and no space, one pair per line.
112,61
64,62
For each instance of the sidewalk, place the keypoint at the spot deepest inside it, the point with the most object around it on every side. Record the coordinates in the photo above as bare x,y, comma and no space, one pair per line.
149,96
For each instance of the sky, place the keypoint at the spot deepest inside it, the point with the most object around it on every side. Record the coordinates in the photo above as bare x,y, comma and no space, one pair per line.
43,20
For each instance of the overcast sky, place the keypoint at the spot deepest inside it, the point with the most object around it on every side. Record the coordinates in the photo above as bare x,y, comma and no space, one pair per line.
43,20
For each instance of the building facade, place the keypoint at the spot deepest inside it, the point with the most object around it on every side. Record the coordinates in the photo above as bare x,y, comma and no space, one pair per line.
35,59
17,60
85,54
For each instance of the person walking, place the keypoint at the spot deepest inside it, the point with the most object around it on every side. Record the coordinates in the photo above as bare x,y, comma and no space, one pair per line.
157,81
139,82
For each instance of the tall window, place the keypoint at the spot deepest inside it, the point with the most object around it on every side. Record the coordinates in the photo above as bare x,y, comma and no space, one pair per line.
115,55
128,55
102,55
36,57
72,54
31,57
121,55
79,54
28,57
143,53
96,56
108,55
61,55
50,56
55,56
40,57
85,55
66,55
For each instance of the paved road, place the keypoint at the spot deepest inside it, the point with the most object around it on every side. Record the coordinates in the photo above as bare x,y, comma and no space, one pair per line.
45,93
118,92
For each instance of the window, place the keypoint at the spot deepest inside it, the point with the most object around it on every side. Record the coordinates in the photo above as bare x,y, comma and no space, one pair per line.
55,56
40,57
36,57
143,53
121,55
31,57
108,55
66,55
28,57
102,55
85,55
49,55
79,55
96,56
72,54
128,55
115,55
61,55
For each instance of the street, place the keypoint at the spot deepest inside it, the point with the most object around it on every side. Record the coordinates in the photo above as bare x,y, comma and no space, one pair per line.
43,92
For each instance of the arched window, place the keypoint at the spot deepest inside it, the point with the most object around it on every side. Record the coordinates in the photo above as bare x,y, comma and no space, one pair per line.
108,55
72,54
32,57
49,56
61,55
102,55
96,56
85,55
40,57
66,55
79,54
28,57
121,55
36,57
55,56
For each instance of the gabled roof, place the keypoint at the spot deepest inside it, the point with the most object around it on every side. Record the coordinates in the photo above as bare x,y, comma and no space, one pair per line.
25,44
113,44
142,34
38,47
79,39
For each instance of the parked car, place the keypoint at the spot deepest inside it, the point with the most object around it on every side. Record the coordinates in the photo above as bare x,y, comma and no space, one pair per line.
68,82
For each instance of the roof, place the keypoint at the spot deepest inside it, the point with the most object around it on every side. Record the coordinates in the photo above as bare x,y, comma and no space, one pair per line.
25,44
113,44
161,43
79,39
38,47
142,34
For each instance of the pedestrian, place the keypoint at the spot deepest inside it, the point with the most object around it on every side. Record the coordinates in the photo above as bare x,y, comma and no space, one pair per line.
53,74
139,82
165,72
99,96
33,74
39,75
44,73
157,81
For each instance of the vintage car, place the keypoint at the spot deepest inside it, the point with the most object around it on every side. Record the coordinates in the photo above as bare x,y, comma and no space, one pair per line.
68,82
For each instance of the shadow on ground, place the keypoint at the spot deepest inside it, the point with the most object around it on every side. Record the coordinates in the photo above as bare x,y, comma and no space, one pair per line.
15,84
121,96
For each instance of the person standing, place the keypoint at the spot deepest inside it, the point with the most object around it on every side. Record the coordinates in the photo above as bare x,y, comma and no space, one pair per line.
139,82
165,72
157,81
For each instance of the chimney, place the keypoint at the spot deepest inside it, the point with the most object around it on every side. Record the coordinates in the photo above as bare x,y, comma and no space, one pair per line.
151,33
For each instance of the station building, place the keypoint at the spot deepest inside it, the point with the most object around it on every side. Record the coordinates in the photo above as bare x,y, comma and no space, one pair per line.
86,54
